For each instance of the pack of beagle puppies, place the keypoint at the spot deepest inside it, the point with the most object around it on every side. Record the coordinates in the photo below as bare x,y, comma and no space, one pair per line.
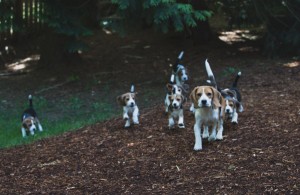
210,104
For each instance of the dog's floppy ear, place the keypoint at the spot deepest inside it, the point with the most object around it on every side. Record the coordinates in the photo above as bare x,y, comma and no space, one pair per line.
217,98
120,100
169,87
183,99
193,97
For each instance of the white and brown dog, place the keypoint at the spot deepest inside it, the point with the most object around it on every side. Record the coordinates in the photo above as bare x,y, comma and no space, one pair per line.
172,89
130,107
179,71
30,120
176,110
231,95
233,101
209,108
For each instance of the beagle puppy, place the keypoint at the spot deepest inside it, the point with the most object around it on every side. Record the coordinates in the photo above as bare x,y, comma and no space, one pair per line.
30,120
176,110
171,90
180,75
209,111
179,71
127,101
233,101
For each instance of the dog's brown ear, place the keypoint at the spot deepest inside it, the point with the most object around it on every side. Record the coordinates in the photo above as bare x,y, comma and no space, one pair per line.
217,98
183,99
193,97
120,100
169,87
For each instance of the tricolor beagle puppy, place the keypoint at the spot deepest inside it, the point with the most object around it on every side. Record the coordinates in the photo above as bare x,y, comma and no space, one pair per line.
30,120
176,110
209,111
231,95
171,90
233,101
179,71
130,107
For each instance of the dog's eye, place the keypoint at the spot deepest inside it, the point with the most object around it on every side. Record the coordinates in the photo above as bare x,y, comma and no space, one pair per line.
133,98
127,99
179,90
208,94
178,99
30,125
199,94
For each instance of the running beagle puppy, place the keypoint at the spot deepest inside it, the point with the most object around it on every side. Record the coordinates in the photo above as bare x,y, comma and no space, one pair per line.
231,95
233,101
30,120
179,71
176,110
172,89
209,111
127,101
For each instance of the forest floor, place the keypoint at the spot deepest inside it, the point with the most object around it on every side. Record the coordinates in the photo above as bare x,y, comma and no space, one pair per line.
260,155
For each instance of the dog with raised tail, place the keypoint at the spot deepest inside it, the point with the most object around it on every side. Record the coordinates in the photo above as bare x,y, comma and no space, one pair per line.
172,89
130,108
30,120
180,71
232,95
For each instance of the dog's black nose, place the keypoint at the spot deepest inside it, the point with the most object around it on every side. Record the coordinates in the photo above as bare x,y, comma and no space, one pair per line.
204,102
227,110
132,104
175,106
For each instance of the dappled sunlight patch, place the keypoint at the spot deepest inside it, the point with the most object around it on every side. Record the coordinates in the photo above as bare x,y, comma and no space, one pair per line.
292,64
234,36
20,65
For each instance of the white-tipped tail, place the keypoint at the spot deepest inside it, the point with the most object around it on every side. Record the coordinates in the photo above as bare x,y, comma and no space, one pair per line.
30,97
208,69
172,78
240,73
180,55
132,89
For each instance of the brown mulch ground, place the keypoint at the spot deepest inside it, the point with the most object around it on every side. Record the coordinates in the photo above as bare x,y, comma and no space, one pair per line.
260,155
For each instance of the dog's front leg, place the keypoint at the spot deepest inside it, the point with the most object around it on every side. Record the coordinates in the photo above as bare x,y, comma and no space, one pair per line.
135,115
171,122
234,117
167,103
197,132
23,132
212,136
205,132
39,124
220,130
181,119
192,108
126,117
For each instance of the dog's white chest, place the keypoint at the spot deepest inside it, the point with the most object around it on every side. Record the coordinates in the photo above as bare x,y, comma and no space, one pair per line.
207,115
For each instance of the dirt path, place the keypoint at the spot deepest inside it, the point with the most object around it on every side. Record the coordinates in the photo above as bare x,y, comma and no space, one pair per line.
258,156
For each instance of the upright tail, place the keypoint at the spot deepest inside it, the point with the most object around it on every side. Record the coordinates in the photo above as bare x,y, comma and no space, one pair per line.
180,56
210,74
30,101
172,79
132,89
234,84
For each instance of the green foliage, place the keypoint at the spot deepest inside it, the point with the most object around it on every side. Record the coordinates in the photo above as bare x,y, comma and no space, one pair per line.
164,15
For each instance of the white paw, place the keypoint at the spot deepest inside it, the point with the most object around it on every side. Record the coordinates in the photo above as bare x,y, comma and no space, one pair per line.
234,121
219,136
127,124
197,147
136,122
